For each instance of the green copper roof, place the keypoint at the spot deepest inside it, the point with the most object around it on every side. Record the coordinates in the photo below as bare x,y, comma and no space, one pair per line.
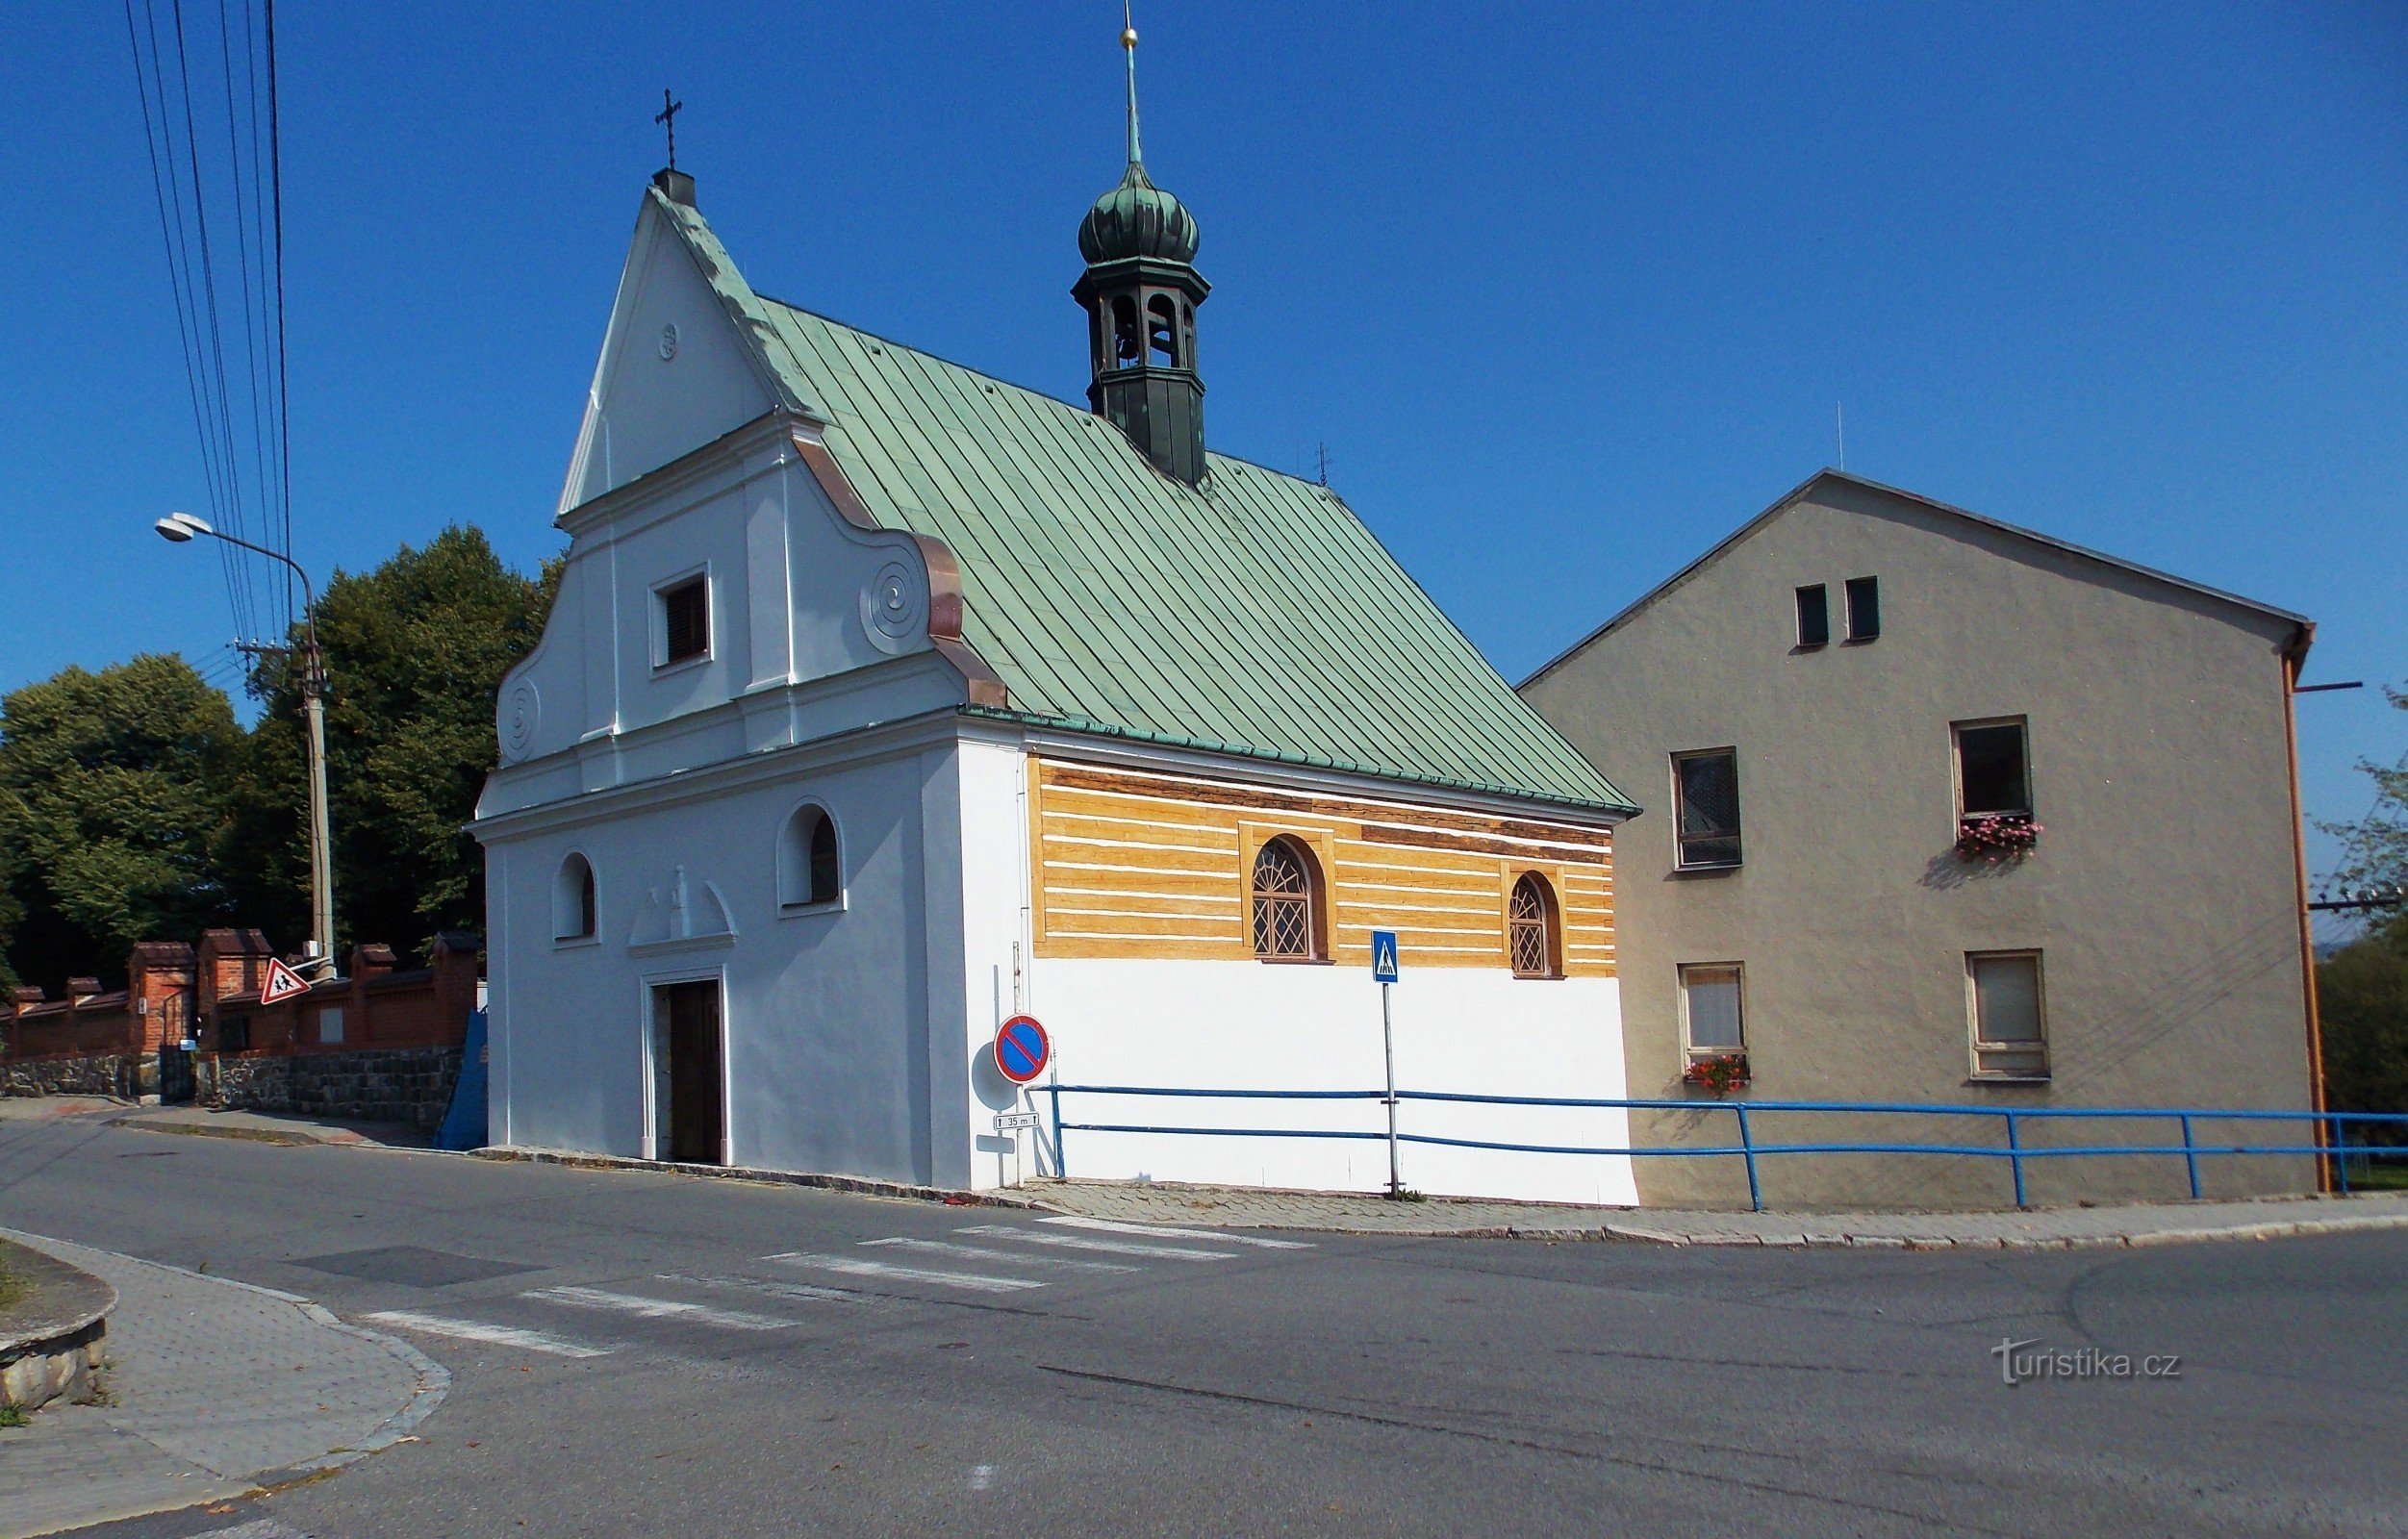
1253,614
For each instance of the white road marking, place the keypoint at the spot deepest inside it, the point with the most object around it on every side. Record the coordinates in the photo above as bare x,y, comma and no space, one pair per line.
863,1267
1165,1231
1118,1248
660,1308
777,1290
534,1341
976,1252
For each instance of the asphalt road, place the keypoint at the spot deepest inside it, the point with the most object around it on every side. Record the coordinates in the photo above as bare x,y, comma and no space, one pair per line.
762,1360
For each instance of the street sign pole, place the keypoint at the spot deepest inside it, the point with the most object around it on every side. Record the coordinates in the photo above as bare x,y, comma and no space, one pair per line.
1384,969
1387,1033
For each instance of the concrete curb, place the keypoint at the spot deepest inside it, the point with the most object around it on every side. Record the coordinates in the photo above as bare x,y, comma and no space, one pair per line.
51,1355
2126,1226
856,1185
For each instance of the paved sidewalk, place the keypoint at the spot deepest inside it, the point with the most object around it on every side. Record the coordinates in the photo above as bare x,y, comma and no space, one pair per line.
270,1127
49,1108
214,1389
2138,1223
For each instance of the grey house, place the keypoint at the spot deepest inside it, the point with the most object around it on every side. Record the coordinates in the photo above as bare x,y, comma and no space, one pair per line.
1946,811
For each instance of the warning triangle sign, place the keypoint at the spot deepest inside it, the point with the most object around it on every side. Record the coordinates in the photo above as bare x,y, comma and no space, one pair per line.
283,983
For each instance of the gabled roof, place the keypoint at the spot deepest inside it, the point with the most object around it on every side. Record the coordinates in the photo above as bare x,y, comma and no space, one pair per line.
1255,614
2305,627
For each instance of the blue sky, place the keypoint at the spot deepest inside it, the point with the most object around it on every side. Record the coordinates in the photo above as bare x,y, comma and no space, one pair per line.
1569,291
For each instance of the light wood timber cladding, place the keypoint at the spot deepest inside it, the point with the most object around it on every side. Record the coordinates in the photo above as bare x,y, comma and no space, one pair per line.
1140,864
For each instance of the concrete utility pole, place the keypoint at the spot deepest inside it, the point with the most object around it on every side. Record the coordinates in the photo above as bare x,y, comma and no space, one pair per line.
180,528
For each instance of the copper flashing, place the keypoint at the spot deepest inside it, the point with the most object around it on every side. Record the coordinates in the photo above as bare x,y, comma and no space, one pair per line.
944,592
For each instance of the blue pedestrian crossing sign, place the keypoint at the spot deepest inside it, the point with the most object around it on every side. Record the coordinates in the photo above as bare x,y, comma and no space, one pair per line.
1384,955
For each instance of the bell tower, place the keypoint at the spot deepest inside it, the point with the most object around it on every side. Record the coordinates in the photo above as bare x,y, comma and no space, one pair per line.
1140,292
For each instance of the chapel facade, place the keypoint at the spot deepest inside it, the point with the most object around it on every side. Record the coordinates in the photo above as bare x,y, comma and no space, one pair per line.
884,700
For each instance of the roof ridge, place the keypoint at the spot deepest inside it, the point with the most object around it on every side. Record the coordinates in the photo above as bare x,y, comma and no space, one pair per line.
1030,390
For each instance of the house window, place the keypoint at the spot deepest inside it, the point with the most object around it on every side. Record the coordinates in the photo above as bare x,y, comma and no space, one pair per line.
1814,616
1705,786
572,899
1531,927
1712,1020
1993,777
2010,1026
810,867
1287,903
685,620
1863,595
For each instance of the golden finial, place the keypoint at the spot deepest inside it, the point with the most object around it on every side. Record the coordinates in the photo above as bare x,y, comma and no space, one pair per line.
1128,28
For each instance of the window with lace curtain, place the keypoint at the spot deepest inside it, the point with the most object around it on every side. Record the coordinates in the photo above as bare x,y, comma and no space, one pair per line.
1286,927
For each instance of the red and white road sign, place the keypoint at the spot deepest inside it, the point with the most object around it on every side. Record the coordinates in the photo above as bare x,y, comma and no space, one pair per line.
283,983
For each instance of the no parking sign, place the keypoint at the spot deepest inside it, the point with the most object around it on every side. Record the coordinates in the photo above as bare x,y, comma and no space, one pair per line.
1022,1050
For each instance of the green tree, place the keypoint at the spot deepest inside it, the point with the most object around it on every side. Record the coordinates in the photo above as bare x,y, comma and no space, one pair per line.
2362,990
108,815
2361,1000
415,653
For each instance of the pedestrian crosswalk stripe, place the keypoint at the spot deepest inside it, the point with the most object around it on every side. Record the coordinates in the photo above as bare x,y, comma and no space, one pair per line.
976,1252
659,1309
863,1267
804,1291
1166,1231
1071,1242
533,1341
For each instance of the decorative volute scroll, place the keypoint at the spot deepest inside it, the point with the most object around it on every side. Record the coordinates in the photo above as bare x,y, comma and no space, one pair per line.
890,605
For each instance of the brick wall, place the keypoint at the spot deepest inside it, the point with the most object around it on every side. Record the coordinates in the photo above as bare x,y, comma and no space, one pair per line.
381,1044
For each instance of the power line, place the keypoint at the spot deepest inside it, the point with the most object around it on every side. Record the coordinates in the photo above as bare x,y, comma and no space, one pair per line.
198,192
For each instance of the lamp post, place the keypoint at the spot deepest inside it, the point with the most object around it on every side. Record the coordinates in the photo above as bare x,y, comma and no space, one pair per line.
181,527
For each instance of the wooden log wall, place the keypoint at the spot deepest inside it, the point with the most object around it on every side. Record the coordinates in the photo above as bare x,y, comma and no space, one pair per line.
1141,864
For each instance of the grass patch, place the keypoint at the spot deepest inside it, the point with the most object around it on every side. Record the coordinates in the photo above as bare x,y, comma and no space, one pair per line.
11,1414
2387,1174
11,1285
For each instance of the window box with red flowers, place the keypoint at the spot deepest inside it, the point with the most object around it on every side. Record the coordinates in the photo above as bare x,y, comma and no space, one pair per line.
1997,835
1718,1074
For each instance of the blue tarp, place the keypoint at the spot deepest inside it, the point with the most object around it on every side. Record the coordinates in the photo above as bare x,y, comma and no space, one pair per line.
463,1125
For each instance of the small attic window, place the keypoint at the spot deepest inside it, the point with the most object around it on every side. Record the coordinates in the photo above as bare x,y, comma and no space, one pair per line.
1814,616
685,620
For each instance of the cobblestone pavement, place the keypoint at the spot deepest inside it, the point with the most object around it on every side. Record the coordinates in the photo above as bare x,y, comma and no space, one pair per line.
1167,1202
213,1388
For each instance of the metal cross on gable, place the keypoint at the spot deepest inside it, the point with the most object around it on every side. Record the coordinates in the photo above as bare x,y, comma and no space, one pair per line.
667,118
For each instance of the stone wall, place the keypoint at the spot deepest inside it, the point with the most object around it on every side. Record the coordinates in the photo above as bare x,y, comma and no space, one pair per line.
410,1085
122,1075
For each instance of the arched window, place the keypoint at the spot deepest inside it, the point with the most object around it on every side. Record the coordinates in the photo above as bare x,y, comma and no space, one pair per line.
572,899
1287,902
1128,346
1162,331
810,867
1531,929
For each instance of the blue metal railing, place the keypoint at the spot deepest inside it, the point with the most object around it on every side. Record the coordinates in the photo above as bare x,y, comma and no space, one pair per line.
2329,1130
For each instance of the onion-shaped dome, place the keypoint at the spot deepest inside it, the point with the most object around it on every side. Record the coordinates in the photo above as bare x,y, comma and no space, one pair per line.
1137,219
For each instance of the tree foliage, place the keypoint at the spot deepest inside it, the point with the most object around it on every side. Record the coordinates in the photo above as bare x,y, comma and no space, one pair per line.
110,819
415,653
2362,990
134,807
2361,1000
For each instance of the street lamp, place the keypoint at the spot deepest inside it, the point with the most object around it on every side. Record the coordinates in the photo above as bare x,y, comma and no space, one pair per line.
179,528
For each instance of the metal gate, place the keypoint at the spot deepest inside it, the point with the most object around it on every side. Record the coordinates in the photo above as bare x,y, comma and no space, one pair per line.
175,1075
